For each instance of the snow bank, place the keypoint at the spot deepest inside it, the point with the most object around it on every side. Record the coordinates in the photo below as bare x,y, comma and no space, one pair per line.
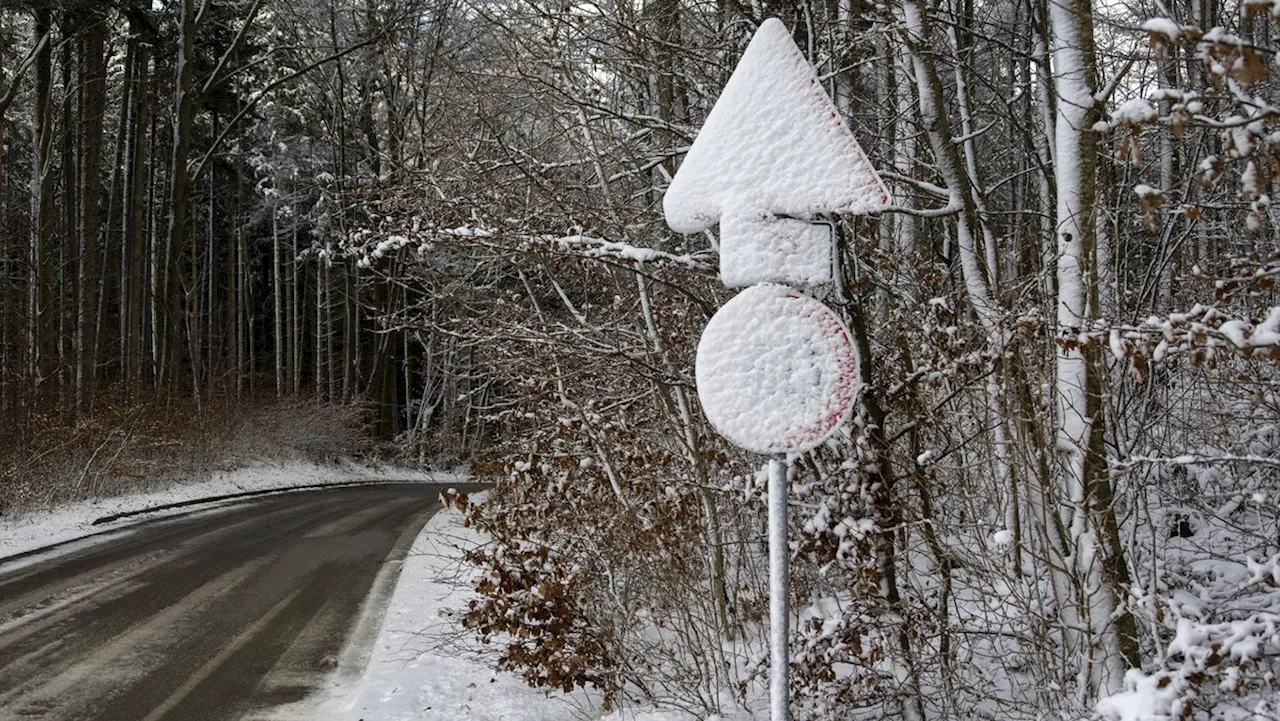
423,664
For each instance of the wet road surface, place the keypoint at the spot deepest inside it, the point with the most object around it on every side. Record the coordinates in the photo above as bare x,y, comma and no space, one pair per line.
223,614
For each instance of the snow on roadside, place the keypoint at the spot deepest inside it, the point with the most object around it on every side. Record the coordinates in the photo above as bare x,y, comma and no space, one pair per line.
31,530
425,667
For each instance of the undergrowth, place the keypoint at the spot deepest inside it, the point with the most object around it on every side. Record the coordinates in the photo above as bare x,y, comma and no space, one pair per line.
150,443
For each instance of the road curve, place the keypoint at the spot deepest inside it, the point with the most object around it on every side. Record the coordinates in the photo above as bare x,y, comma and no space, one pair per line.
218,615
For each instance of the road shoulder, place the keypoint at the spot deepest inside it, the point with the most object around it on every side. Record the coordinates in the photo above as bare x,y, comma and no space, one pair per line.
423,665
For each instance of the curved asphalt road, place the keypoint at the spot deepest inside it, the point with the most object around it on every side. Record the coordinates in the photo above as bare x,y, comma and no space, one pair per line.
218,615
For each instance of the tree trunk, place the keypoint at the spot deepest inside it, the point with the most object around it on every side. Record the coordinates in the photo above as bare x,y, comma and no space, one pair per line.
1109,646
95,95
877,497
179,193
68,287
938,129
40,360
276,306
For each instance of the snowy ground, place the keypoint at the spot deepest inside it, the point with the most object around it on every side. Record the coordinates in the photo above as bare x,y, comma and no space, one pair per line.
36,529
423,668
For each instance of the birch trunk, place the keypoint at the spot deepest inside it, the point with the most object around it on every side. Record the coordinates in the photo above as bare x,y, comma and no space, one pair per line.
904,226
1166,69
1101,625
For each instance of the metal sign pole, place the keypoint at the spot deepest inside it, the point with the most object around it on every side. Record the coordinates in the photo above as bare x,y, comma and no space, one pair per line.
779,611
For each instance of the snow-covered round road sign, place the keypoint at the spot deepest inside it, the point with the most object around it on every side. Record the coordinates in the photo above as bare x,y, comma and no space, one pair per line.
776,370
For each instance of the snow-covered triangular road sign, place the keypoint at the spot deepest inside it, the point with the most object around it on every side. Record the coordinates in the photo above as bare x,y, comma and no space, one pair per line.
773,143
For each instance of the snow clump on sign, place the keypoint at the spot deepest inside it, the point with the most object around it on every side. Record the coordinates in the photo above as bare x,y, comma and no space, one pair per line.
774,142
762,248
775,370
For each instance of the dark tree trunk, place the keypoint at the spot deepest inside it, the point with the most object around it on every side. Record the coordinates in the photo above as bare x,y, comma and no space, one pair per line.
94,105
179,194
40,360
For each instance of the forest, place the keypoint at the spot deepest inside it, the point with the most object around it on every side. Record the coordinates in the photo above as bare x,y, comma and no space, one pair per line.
432,230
